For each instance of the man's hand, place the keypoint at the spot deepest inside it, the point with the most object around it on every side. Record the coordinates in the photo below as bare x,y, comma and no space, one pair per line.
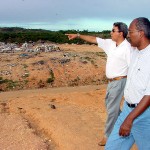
72,36
128,122
126,127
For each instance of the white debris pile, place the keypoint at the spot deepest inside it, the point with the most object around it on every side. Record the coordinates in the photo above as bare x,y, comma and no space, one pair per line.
27,47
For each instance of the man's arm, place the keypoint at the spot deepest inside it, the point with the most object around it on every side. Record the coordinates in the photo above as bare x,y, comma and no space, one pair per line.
87,38
127,124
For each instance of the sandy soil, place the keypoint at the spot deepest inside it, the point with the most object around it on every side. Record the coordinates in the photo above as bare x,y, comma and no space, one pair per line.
62,118
58,119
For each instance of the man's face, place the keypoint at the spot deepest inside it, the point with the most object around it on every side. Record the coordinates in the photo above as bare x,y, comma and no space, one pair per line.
115,33
134,34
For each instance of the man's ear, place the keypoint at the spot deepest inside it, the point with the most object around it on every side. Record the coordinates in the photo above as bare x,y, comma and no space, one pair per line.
121,33
142,34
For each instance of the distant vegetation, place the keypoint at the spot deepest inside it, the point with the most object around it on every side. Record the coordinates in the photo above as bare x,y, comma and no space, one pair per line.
20,35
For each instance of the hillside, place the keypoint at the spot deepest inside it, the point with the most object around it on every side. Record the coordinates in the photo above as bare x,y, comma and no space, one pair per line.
71,65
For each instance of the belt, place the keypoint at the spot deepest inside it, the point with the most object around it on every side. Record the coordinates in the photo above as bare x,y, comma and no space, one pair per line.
132,105
116,78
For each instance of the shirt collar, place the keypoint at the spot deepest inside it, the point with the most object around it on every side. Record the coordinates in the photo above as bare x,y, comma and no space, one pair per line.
123,42
144,50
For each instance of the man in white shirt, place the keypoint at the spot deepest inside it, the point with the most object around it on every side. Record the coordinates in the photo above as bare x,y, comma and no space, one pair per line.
133,124
118,58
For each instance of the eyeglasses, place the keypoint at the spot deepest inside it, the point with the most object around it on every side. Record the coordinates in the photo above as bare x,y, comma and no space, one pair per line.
113,30
132,31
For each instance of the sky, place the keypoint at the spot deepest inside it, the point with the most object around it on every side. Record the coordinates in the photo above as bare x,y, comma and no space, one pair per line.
91,15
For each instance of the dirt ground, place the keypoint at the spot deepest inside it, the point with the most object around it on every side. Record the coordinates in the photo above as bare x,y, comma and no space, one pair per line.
67,118
73,65
58,118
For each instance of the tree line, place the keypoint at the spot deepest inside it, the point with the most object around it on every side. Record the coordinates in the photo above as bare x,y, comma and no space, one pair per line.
20,35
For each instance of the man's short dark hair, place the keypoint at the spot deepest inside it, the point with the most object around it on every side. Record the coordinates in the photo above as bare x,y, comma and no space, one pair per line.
143,24
122,27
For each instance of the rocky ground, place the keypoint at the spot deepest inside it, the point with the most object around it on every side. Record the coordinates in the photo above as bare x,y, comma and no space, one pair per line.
72,65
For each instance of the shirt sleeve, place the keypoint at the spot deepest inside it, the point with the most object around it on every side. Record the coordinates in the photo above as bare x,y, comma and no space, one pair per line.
147,91
129,55
104,44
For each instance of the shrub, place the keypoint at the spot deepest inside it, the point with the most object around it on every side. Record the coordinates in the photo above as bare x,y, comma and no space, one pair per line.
51,78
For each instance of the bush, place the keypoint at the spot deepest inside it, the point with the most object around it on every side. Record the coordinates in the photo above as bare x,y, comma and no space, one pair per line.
51,78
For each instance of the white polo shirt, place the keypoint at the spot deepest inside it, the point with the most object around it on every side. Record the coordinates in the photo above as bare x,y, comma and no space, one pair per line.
118,57
138,79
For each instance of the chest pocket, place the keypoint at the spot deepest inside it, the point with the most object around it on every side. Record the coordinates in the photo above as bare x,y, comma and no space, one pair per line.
142,75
